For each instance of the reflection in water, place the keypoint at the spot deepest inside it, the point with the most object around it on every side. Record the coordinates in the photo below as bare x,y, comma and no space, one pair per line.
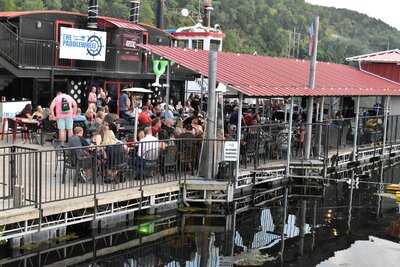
311,229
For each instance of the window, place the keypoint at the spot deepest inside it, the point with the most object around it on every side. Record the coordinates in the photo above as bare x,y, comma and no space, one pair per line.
198,44
182,43
214,45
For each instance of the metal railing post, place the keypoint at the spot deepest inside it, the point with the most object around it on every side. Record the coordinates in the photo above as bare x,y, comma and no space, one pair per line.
141,162
13,176
94,174
40,191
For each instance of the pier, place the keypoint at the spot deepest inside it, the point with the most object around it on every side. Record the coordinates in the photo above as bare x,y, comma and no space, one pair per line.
40,191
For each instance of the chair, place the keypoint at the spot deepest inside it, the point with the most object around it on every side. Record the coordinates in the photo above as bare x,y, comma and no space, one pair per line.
116,162
49,128
69,164
250,147
74,161
187,154
169,161
32,132
11,125
150,162
57,145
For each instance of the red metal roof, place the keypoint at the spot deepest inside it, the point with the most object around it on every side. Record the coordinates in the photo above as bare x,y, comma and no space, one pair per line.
390,56
269,76
13,14
120,23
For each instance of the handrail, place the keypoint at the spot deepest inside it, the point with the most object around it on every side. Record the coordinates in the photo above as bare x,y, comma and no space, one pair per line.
11,39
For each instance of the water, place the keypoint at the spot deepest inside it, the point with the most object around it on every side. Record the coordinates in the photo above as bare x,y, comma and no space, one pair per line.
315,228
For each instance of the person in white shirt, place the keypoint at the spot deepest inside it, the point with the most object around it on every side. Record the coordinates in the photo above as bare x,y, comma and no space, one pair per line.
149,147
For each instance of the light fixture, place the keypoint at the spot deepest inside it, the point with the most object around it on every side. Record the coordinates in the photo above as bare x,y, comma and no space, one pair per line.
39,24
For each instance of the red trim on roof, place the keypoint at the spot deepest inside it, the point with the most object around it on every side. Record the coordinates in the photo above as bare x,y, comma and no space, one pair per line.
390,56
106,21
201,34
120,23
12,14
269,76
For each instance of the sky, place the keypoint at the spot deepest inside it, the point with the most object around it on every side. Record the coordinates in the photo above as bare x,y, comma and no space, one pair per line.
386,10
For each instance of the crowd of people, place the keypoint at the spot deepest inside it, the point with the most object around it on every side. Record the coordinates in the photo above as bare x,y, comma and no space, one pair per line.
157,122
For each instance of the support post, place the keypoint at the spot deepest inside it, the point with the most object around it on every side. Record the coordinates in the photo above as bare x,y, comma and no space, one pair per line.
239,134
309,127
168,89
211,110
321,120
202,93
356,123
289,142
303,211
355,138
135,127
285,204
385,123
311,84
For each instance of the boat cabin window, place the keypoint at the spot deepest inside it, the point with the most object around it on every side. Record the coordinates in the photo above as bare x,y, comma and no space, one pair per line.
198,44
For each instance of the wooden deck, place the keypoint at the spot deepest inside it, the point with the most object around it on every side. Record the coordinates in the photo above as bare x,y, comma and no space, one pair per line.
58,207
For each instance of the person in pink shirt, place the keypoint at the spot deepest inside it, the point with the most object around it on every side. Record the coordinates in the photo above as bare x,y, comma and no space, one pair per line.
63,108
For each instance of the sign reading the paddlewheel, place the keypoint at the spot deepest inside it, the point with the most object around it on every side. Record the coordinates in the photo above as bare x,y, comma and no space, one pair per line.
82,44
231,151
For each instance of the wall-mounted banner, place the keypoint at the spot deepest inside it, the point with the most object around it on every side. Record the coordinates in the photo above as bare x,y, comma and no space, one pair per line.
82,44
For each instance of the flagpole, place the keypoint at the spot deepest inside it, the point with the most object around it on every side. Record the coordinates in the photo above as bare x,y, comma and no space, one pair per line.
311,85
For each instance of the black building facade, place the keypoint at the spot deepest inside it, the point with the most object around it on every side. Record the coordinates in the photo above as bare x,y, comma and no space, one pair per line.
30,66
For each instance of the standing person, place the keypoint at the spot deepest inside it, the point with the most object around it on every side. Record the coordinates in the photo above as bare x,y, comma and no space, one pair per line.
92,99
101,98
63,108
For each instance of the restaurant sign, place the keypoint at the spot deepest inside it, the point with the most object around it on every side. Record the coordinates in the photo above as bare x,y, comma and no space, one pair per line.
82,44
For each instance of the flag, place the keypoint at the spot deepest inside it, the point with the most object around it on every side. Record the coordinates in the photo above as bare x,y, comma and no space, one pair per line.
311,37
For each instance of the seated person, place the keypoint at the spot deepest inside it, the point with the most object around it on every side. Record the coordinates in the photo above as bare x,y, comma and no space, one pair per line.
26,113
156,126
149,146
90,116
38,114
144,118
167,129
100,115
198,129
114,153
79,116
111,120
80,157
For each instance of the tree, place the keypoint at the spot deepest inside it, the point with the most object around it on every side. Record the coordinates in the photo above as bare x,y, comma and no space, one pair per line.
7,5
114,8
53,4
30,4
74,5
147,15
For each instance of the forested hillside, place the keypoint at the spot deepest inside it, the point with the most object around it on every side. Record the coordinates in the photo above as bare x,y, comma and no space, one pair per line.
262,26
